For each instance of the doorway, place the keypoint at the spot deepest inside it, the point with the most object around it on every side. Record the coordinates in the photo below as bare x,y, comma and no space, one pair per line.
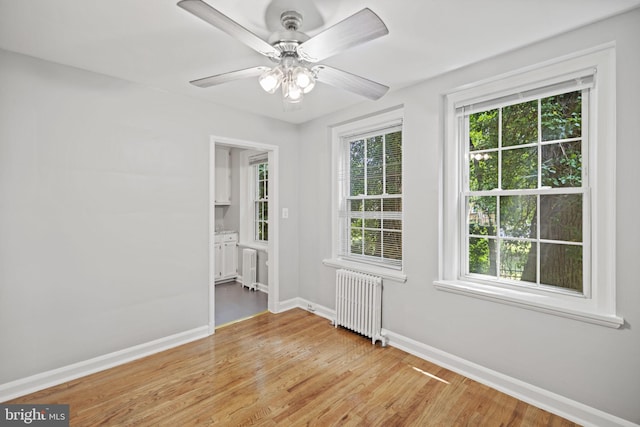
272,251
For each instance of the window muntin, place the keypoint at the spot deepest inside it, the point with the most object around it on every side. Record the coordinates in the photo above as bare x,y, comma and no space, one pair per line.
261,202
526,219
371,203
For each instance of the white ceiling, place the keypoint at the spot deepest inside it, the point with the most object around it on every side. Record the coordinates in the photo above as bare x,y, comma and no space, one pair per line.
156,43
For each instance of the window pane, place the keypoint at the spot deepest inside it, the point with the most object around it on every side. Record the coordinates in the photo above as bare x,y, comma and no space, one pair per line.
265,211
561,265
562,164
482,256
374,165
392,245
518,216
356,241
261,189
518,260
561,116
392,205
483,171
258,211
355,205
372,205
483,130
561,217
265,231
356,168
392,224
356,222
372,243
520,124
372,223
482,215
393,162
520,168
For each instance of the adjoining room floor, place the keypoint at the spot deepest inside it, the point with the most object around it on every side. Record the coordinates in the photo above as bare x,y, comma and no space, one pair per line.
235,302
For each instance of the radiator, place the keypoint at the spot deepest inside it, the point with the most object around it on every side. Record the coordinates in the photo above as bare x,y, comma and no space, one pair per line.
249,263
359,304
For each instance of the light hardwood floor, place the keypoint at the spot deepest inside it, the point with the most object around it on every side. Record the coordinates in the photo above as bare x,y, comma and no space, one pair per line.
289,369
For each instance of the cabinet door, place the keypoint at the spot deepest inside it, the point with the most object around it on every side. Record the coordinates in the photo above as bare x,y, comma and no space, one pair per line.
217,248
230,259
223,176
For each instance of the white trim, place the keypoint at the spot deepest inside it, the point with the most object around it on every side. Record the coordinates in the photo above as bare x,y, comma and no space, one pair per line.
71,372
273,247
289,304
538,302
385,273
599,307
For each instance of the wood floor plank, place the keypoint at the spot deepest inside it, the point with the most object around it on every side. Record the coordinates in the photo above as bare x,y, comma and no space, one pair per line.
292,368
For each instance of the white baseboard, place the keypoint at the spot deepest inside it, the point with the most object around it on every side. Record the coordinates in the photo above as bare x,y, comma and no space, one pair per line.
304,304
287,305
24,386
536,396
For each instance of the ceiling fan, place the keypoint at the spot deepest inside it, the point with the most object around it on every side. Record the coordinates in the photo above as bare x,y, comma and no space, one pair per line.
295,54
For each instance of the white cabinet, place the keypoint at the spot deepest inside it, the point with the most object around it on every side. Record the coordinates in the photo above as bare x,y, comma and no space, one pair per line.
226,256
223,176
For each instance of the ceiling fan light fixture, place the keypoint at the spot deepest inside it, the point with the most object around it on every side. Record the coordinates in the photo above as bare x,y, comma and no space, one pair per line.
271,79
291,92
304,78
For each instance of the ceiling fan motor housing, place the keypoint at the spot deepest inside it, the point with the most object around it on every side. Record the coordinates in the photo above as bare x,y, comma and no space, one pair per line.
288,40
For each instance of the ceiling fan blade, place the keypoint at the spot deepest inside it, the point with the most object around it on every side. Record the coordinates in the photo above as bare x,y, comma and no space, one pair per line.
228,77
354,30
214,17
351,82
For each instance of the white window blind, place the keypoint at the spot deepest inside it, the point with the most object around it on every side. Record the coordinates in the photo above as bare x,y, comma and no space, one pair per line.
584,79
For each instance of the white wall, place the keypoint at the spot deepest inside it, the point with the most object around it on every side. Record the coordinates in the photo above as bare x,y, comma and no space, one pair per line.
595,365
104,212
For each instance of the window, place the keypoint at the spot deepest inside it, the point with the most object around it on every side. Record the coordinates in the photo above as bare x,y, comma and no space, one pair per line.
368,203
261,200
526,221
526,191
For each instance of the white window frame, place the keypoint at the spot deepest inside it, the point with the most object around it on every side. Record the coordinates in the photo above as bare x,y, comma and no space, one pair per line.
247,199
256,182
339,134
599,305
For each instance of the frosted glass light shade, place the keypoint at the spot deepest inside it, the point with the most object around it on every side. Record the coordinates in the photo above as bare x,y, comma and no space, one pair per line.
271,79
291,91
304,78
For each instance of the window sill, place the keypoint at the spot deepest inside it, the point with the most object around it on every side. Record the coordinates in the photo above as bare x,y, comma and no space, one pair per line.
385,273
253,245
536,302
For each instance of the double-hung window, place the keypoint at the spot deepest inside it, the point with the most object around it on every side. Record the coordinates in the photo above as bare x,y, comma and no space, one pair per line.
526,210
260,200
368,200
527,194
